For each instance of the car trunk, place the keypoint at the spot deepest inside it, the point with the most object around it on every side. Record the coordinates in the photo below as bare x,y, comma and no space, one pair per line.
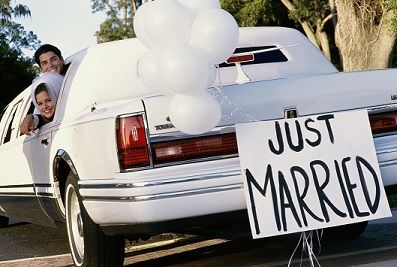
267,100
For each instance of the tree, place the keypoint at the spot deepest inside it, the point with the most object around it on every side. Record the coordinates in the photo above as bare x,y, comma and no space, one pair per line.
16,70
364,30
311,15
119,24
16,73
13,33
7,12
257,12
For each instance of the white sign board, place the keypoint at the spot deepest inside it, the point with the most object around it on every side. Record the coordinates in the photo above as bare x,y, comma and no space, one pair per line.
310,172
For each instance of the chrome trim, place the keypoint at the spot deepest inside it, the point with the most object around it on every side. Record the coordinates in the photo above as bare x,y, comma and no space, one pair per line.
197,160
381,108
388,163
384,134
386,150
192,192
370,109
164,137
17,194
162,182
63,155
291,113
18,186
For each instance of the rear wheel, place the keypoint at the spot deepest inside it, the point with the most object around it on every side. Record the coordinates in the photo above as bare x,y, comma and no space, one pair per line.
347,231
3,221
88,243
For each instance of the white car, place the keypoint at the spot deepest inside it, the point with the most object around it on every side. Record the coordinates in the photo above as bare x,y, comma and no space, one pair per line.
112,165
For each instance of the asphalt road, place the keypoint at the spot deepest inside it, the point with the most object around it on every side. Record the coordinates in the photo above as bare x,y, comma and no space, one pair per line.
24,244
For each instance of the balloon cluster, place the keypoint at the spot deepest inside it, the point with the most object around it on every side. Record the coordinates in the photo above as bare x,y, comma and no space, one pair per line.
186,39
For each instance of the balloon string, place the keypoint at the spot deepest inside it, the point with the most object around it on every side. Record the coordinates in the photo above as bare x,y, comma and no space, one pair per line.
306,239
224,99
296,248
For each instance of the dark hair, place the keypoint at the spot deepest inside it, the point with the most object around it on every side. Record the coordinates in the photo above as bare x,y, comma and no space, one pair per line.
40,88
44,49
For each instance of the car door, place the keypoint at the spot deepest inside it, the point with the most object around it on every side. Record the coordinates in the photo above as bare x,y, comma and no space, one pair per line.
18,196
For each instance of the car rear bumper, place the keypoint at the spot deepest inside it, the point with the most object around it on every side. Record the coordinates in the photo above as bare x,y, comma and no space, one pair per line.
386,151
187,191
170,194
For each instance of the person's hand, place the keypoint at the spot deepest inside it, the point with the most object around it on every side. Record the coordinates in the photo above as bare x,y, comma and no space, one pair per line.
27,126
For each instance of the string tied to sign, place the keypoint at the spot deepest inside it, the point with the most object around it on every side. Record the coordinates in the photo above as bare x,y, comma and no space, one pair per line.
306,242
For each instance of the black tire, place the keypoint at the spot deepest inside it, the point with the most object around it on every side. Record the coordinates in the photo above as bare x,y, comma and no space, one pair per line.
348,231
89,245
4,221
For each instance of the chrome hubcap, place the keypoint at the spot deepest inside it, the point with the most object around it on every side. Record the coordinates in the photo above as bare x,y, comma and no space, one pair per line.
80,225
75,225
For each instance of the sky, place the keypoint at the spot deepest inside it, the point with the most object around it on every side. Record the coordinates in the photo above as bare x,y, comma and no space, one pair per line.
67,24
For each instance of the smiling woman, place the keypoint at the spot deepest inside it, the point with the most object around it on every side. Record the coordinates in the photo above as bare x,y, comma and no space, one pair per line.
43,99
45,91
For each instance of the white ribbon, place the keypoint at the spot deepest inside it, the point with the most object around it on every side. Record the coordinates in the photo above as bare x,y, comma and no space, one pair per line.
306,239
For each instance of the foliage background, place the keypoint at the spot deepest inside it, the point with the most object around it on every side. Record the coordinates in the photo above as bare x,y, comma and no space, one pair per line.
318,19
16,70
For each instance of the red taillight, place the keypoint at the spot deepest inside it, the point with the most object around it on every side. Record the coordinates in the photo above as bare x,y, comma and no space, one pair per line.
383,122
194,148
131,142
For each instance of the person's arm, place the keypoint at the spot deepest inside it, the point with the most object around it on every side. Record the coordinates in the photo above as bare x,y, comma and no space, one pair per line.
31,122
28,124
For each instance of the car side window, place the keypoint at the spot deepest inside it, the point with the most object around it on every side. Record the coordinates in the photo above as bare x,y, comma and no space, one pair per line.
11,126
31,108
3,112
28,109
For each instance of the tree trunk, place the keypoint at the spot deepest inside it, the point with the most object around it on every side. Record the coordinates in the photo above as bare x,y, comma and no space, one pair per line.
362,34
317,36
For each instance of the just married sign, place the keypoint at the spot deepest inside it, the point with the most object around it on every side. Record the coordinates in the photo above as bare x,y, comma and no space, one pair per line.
310,172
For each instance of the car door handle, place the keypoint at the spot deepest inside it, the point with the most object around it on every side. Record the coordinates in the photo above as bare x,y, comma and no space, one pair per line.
44,141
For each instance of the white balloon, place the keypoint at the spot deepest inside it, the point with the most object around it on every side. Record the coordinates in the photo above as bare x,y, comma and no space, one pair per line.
166,21
139,26
215,32
194,114
182,69
148,71
196,6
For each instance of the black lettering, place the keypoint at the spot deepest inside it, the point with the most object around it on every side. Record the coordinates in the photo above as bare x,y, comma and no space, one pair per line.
279,140
350,188
373,207
322,197
326,118
284,190
301,195
343,189
299,146
268,180
313,130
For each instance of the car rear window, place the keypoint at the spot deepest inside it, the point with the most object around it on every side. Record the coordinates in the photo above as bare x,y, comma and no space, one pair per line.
259,57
